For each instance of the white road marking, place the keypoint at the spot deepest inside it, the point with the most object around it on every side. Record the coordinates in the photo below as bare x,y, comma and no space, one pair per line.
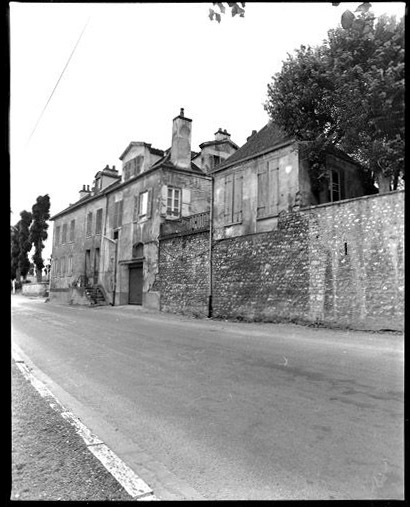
129,480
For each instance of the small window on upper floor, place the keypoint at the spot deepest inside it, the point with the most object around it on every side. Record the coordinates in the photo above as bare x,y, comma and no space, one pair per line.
174,202
145,205
88,231
72,231
64,235
98,221
336,186
57,236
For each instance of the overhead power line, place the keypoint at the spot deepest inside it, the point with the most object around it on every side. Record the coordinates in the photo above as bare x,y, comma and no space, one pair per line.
58,81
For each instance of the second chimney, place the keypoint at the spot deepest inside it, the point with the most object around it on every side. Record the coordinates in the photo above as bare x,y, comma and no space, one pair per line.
181,141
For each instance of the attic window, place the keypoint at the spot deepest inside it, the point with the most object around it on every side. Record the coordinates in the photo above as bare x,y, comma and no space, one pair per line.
336,186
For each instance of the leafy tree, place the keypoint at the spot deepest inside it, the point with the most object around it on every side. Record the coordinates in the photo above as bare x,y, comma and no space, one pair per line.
24,242
347,93
38,231
234,7
15,251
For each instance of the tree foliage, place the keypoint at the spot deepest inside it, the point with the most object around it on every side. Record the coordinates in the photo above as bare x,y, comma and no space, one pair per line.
347,93
14,251
24,242
233,7
38,230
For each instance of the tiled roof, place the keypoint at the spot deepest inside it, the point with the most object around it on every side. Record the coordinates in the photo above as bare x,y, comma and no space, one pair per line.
268,138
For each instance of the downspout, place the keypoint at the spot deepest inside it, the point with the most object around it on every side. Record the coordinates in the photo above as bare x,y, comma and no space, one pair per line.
211,215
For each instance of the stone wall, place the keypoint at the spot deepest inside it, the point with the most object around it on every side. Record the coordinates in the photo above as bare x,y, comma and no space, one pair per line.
339,264
263,276
184,274
356,262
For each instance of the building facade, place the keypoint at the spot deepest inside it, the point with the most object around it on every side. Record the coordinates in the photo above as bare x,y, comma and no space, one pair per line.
106,244
267,176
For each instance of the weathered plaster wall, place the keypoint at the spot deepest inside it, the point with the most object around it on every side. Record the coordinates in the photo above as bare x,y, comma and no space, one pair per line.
288,160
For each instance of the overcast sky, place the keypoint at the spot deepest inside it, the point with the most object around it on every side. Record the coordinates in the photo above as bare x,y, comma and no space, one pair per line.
135,66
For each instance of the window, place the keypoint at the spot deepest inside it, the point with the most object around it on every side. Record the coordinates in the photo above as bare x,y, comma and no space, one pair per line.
144,206
268,189
173,202
133,167
72,229
336,186
89,224
98,221
117,218
57,238
233,198
64,235
62,267
216,160
138,250
70,265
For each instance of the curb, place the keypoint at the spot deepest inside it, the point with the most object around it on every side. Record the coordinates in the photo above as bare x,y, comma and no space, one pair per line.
129,480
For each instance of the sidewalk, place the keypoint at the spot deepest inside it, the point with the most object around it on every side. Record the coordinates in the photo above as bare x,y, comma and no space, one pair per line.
50,461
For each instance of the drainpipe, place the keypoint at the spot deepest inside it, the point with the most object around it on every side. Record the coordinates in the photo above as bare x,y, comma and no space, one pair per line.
115,272
211,215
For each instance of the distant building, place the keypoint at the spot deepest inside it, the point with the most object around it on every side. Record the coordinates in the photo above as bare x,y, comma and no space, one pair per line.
106,244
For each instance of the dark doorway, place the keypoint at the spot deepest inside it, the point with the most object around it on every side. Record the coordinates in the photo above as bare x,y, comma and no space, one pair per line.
135,287
96,264
87,265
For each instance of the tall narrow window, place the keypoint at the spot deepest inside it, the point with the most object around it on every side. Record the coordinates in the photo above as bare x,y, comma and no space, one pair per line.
268,189
70,265
64,235
117,218
173,202
336,186
233,198
57,237
98,221
72,231
144,209
89,223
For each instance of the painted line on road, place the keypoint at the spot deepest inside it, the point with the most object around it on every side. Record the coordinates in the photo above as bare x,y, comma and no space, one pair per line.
129,480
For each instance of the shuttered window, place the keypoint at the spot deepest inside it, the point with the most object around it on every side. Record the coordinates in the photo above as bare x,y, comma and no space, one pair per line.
98,221
72,231
117,217
57,238
89,224
64,235
268,189
173,202
233,198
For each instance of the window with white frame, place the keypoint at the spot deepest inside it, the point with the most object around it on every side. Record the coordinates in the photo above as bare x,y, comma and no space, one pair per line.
173,202
336,186
144,206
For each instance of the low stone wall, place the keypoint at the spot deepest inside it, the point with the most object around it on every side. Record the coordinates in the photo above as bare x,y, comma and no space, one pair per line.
38,289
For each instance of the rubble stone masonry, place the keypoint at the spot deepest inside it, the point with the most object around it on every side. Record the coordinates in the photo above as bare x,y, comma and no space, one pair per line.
338,264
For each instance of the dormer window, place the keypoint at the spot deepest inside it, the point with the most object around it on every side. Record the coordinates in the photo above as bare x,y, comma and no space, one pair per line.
336,186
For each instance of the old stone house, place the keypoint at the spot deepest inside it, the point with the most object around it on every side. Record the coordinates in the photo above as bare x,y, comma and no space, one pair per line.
276,250
106,244
269,175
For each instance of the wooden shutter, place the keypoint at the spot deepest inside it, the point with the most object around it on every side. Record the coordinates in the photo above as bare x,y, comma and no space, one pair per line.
186,200
273,197
149,203
164,197
263,190
120,207
237,197
228,198
135,211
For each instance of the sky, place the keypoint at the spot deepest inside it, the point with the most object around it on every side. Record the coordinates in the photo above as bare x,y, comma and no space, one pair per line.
134,67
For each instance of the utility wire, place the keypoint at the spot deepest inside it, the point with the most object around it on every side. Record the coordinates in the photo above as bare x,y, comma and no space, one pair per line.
58,81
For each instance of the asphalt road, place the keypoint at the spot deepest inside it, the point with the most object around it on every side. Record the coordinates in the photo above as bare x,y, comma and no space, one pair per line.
218,410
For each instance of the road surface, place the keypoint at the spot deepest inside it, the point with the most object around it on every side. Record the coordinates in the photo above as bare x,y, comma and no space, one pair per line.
204,409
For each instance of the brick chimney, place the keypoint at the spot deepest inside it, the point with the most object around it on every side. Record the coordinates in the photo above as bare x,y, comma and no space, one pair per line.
181,141
222,135
85,191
